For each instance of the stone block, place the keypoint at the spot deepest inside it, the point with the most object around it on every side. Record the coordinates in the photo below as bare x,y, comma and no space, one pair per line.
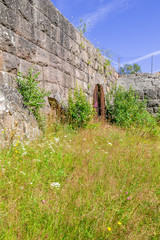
11,63
25,49
68,69
25,66
42,57
53,32
6,78
7,40
1,61
51,75
153,103
150,94
9,18
27,30
56,62
22,7
158,92
42,22
53,14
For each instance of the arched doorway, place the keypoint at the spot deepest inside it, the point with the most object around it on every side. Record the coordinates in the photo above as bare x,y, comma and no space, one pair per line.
99,101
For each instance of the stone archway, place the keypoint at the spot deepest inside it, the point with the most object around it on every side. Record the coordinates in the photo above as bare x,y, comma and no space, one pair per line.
99,101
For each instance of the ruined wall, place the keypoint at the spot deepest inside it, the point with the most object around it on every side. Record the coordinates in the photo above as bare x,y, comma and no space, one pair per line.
35,32
147,85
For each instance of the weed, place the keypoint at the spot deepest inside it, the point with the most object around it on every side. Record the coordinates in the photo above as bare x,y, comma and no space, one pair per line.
79,110
33,96
126,109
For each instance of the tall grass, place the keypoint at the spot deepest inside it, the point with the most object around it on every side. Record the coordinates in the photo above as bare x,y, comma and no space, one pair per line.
98,183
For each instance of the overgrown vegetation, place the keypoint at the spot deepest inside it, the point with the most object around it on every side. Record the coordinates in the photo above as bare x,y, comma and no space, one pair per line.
126,109
79,110
33,95
100,183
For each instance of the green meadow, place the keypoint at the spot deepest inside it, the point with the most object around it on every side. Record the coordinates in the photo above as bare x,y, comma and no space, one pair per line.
97,183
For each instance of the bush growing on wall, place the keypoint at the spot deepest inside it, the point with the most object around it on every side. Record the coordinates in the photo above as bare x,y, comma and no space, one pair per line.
126,109
33,96
79,110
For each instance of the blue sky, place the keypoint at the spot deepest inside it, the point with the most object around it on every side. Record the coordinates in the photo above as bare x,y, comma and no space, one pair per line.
129,28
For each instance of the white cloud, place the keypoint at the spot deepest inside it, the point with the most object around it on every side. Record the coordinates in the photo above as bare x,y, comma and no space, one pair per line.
143,58
103,12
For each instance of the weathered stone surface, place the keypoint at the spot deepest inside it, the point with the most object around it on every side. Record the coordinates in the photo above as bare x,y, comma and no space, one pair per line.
147,85
7,40
14,117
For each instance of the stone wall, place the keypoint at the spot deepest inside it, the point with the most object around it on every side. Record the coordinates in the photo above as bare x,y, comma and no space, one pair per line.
35,32
147,85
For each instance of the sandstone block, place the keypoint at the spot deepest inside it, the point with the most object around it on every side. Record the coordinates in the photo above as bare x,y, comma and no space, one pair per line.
27,30
7,40
25,49
42,22
42,57
9,18
11,63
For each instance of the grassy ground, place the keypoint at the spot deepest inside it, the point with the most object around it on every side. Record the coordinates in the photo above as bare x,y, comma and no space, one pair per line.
99,183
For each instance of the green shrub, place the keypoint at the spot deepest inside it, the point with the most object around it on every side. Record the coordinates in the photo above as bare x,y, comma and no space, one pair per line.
33,96
126,109
79,110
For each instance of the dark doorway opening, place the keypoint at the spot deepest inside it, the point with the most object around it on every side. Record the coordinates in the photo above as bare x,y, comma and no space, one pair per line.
99,101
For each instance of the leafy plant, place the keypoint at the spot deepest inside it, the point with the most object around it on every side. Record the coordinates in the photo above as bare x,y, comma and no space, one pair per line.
82,28
32,94
79,110
126,109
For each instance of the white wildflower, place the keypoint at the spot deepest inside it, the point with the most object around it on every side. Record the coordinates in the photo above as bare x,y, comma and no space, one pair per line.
25,153
56,140
21,188
55,184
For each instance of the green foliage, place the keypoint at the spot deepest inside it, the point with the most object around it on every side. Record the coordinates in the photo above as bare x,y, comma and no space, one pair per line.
82,28
79,110
126,109
33,96
130,69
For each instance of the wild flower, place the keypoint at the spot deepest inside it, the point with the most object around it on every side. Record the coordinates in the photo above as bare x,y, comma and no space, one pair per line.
96,105
129,198
119,223
25,153
21,187
109,229
55,184
56,139
126,193
43,201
